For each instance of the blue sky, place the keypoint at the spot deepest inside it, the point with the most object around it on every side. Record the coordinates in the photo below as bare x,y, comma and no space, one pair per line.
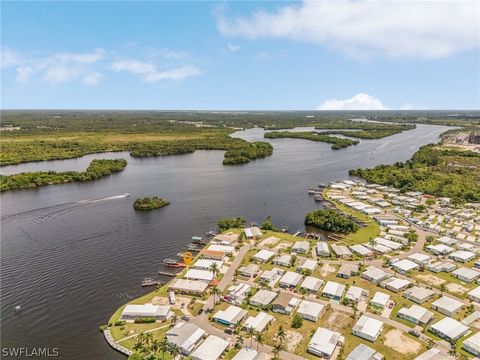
240,55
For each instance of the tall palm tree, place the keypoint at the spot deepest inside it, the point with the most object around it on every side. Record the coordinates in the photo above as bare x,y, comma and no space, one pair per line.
155,346
251,333
148,338
276,350
239,342
215,291
259,339
174,318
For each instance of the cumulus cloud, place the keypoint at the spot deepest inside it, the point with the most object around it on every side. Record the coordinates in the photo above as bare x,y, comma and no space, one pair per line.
148,72
56,68
425,29
360,101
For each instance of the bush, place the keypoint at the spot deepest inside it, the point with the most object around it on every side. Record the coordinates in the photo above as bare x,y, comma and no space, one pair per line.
229,223
149,203
330,220
120,323
147,320
297,322
102,328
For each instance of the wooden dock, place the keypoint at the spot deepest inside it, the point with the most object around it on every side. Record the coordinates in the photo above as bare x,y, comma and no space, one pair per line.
166,273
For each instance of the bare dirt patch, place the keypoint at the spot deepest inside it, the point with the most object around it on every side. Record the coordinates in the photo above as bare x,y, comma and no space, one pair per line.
270,241
456,288
431,279
338,321
283,246
327,269
292,338
395,340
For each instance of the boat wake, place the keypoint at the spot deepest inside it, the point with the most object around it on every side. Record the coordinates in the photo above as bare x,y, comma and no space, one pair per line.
115,197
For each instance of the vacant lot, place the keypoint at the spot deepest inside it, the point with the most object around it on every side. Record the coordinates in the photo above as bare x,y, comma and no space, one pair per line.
397,341
431,279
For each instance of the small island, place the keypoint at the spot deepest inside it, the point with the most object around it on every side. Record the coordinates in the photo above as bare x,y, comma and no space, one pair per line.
331,220
149,203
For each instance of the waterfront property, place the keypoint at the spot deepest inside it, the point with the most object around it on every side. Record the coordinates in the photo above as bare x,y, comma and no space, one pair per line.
133,312
184,286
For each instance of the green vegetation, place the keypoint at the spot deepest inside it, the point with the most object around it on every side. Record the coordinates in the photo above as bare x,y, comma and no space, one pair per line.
267,224
338,143
331,220
433,170
231,223
149,203
147,320
250,151
364,134
297,322
96,170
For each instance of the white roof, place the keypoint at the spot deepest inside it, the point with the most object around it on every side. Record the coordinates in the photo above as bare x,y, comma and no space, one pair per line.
291,278
189,285
145,310
475,292
312,283
360,249
334,288
448,303
309,264
450,327
466,273
246,354
419,257
418,292
388,243
324,341
354,292
310,308
224,248
405,265
473,342
434,354
264,255
230,314
375,273
263,296
368,326
206,264
341,250
440,248
303,245
322,247
462,255
396,283
196,274
259,322
417,312
380,298
211,349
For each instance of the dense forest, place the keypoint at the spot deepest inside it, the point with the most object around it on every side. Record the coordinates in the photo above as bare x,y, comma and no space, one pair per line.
434,170
150,203
331,220
96,170
337,143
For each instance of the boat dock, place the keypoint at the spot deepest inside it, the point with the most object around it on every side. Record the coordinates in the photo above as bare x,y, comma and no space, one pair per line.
166,273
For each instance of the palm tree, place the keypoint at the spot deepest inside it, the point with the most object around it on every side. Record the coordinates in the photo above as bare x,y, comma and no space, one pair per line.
215,291
148,338
174,351
281,333
251,333
214,269
163,347
276,350
174,318
239,342
155,346
259,339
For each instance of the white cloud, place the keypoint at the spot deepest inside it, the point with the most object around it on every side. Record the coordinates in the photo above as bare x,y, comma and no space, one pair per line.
148,72
233,47
360,101
425,29
56,68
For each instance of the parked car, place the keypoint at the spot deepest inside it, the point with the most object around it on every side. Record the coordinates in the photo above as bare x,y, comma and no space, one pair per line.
414,333
229,330
185,318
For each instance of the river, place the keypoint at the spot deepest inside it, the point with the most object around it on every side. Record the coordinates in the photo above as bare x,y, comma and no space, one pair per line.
70,259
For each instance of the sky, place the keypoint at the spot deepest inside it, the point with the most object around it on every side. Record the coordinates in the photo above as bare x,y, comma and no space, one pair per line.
325,55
